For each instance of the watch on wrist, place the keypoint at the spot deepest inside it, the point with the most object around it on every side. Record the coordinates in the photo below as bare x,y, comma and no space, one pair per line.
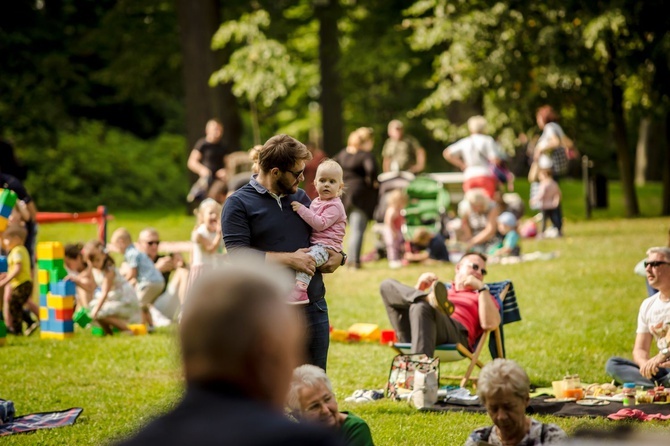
344,258
484,288
665,352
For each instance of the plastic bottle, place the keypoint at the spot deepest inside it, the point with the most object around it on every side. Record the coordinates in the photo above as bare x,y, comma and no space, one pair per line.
628,394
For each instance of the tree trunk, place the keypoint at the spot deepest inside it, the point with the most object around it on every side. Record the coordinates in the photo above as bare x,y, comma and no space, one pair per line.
198,21
666,170
328,12
642,152
621,138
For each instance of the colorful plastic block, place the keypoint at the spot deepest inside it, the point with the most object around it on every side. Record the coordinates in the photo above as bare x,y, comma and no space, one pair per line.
45,325
55,335
81,317
50,250
44,288
97,331
64,315
138,329
5,211
43,299
43,276
50,264
8,198
63,288
44,314
3,264
61,326
3,223
60,302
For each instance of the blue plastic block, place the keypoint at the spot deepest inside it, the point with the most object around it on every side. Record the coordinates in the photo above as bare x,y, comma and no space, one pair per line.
3,264
5,211
63,288
45,325
61,326
52,314
43,300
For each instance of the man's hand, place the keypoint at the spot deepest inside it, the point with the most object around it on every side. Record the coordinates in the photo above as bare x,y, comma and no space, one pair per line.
425,281
297,205
650,368
472,283
302,261
221,174
164,264
334,261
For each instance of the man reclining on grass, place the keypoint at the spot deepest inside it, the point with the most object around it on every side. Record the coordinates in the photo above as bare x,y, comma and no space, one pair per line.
430,314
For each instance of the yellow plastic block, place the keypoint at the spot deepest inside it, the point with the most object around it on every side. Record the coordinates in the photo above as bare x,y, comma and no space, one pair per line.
60,302
54,335
50,250
339,335
3,224
366,332
138,329
43,277
44,313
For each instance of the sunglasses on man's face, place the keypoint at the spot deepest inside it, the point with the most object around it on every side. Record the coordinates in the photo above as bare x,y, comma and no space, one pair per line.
655,263
153,242
297,175
475,267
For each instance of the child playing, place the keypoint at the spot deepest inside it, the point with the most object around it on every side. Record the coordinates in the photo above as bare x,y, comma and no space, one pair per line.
114,302
18,277
327,217
510,244
206,238
393,221
79,272
426,245
548,200
140,273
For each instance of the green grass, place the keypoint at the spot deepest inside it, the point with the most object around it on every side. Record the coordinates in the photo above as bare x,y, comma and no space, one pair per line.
577,310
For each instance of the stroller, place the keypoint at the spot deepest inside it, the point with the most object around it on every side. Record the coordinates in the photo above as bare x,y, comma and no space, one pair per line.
427,207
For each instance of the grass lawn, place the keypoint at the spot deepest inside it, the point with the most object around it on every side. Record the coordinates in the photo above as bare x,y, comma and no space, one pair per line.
577,309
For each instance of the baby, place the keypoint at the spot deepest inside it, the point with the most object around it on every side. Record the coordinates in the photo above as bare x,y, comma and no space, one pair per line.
327,217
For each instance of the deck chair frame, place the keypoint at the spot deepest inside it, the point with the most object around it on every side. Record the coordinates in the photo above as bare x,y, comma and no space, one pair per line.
456,352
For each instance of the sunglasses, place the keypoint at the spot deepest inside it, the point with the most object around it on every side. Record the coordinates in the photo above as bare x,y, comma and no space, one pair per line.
655,263
296,174
475,267
153,242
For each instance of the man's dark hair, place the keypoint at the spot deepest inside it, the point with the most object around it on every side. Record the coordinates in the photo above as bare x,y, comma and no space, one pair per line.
282,152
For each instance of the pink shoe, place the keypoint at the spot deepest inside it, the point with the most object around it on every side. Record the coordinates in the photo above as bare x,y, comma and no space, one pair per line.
298,297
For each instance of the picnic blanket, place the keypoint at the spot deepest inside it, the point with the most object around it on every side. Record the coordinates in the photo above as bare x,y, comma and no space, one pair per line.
539,406
43,420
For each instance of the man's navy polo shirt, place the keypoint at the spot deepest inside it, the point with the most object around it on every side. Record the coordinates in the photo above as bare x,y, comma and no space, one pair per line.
253,218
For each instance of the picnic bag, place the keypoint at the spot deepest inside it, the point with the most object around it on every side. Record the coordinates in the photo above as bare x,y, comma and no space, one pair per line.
414,372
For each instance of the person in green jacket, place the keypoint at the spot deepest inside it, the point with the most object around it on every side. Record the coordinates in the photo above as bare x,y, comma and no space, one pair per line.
311,399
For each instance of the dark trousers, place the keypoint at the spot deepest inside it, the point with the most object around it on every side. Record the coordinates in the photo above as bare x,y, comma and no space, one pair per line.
626,371
415,321
318,329
554,215
20,296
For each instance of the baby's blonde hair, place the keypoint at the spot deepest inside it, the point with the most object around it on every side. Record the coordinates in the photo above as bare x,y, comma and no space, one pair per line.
205,206
329,164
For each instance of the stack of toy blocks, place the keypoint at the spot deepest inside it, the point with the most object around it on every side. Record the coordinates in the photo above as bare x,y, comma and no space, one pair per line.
3,333
56,295
7,202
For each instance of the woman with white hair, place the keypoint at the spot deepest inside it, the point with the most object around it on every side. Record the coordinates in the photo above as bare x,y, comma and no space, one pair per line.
479,221
311,399
474,155
504,389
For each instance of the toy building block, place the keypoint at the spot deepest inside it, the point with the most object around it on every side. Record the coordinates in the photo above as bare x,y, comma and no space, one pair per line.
64,315
50,251
8,198
3,333
3,264
43,276
138,329
365,332
3,224
43,299
44,288
55,335
50,264
5,211
338,335
59,326
60,302
44,314
63,288
81,317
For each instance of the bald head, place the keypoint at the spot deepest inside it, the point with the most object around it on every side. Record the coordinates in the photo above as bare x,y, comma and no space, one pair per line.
237,328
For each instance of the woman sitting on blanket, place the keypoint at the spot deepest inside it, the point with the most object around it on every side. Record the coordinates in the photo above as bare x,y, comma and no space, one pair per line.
311,399
504,389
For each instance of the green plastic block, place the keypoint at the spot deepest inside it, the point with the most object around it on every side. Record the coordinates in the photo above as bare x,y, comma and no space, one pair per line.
8,198
50,264
44,288
3,329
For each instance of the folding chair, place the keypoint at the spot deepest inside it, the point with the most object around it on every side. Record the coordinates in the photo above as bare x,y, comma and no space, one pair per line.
509,312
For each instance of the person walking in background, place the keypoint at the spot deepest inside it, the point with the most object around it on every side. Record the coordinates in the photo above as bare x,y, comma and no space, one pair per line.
318,155
548,200
402,152
361,194
208,160
476,155
393,221
206,239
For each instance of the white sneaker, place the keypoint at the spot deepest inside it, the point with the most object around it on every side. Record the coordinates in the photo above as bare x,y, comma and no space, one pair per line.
395,264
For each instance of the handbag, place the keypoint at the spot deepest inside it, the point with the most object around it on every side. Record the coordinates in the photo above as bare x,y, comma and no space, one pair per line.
402,375
559,159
